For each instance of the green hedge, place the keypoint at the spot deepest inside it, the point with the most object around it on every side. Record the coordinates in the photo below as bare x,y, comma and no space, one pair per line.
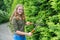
46,13
5,6
3,16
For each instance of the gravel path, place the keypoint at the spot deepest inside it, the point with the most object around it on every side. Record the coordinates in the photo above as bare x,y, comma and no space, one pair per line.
5,33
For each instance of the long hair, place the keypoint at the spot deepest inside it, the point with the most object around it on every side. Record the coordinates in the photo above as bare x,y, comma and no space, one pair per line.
16,14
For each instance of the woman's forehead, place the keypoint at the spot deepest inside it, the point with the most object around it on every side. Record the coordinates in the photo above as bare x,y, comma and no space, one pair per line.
20,7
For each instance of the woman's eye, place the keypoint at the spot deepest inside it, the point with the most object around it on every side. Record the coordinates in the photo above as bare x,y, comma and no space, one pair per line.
20,9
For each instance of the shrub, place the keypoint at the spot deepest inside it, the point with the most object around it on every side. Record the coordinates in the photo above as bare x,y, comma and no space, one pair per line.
46,14
3,16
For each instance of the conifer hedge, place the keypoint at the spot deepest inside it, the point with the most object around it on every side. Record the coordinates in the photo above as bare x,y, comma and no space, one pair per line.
46,13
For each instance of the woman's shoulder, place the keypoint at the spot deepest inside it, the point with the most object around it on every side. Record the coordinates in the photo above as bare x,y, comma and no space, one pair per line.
14,18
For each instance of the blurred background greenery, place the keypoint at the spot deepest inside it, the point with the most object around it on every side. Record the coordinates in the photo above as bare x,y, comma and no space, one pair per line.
5,6
46,13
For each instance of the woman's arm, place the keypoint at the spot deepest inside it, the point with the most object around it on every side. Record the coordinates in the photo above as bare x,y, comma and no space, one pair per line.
23,33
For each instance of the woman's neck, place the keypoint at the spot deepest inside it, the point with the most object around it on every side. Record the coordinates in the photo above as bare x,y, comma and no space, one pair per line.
20,16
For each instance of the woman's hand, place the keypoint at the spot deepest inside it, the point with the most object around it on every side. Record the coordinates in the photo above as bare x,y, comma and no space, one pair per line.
29,34
28,23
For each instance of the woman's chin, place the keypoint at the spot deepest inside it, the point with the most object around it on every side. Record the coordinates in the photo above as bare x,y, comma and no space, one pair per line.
20,13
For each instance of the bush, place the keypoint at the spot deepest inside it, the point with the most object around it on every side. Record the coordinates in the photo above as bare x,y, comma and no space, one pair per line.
5,6
45,13
3,16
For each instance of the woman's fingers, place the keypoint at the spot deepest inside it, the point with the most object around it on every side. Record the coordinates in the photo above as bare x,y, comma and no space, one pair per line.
30,34
28,23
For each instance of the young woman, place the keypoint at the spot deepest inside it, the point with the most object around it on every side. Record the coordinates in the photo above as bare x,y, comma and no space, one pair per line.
18,21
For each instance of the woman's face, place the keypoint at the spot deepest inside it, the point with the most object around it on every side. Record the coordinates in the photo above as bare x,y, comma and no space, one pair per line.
20,10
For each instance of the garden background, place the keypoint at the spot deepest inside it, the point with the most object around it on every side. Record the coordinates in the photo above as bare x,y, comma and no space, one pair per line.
46,13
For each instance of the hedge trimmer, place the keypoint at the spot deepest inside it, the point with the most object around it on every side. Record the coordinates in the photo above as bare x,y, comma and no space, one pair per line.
34,28
36,25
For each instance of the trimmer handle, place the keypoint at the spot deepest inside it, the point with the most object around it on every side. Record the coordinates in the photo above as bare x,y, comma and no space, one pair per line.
33,30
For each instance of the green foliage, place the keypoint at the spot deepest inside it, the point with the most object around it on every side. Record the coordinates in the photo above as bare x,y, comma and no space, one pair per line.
3,16
46,13
2,5
5,6
8,4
